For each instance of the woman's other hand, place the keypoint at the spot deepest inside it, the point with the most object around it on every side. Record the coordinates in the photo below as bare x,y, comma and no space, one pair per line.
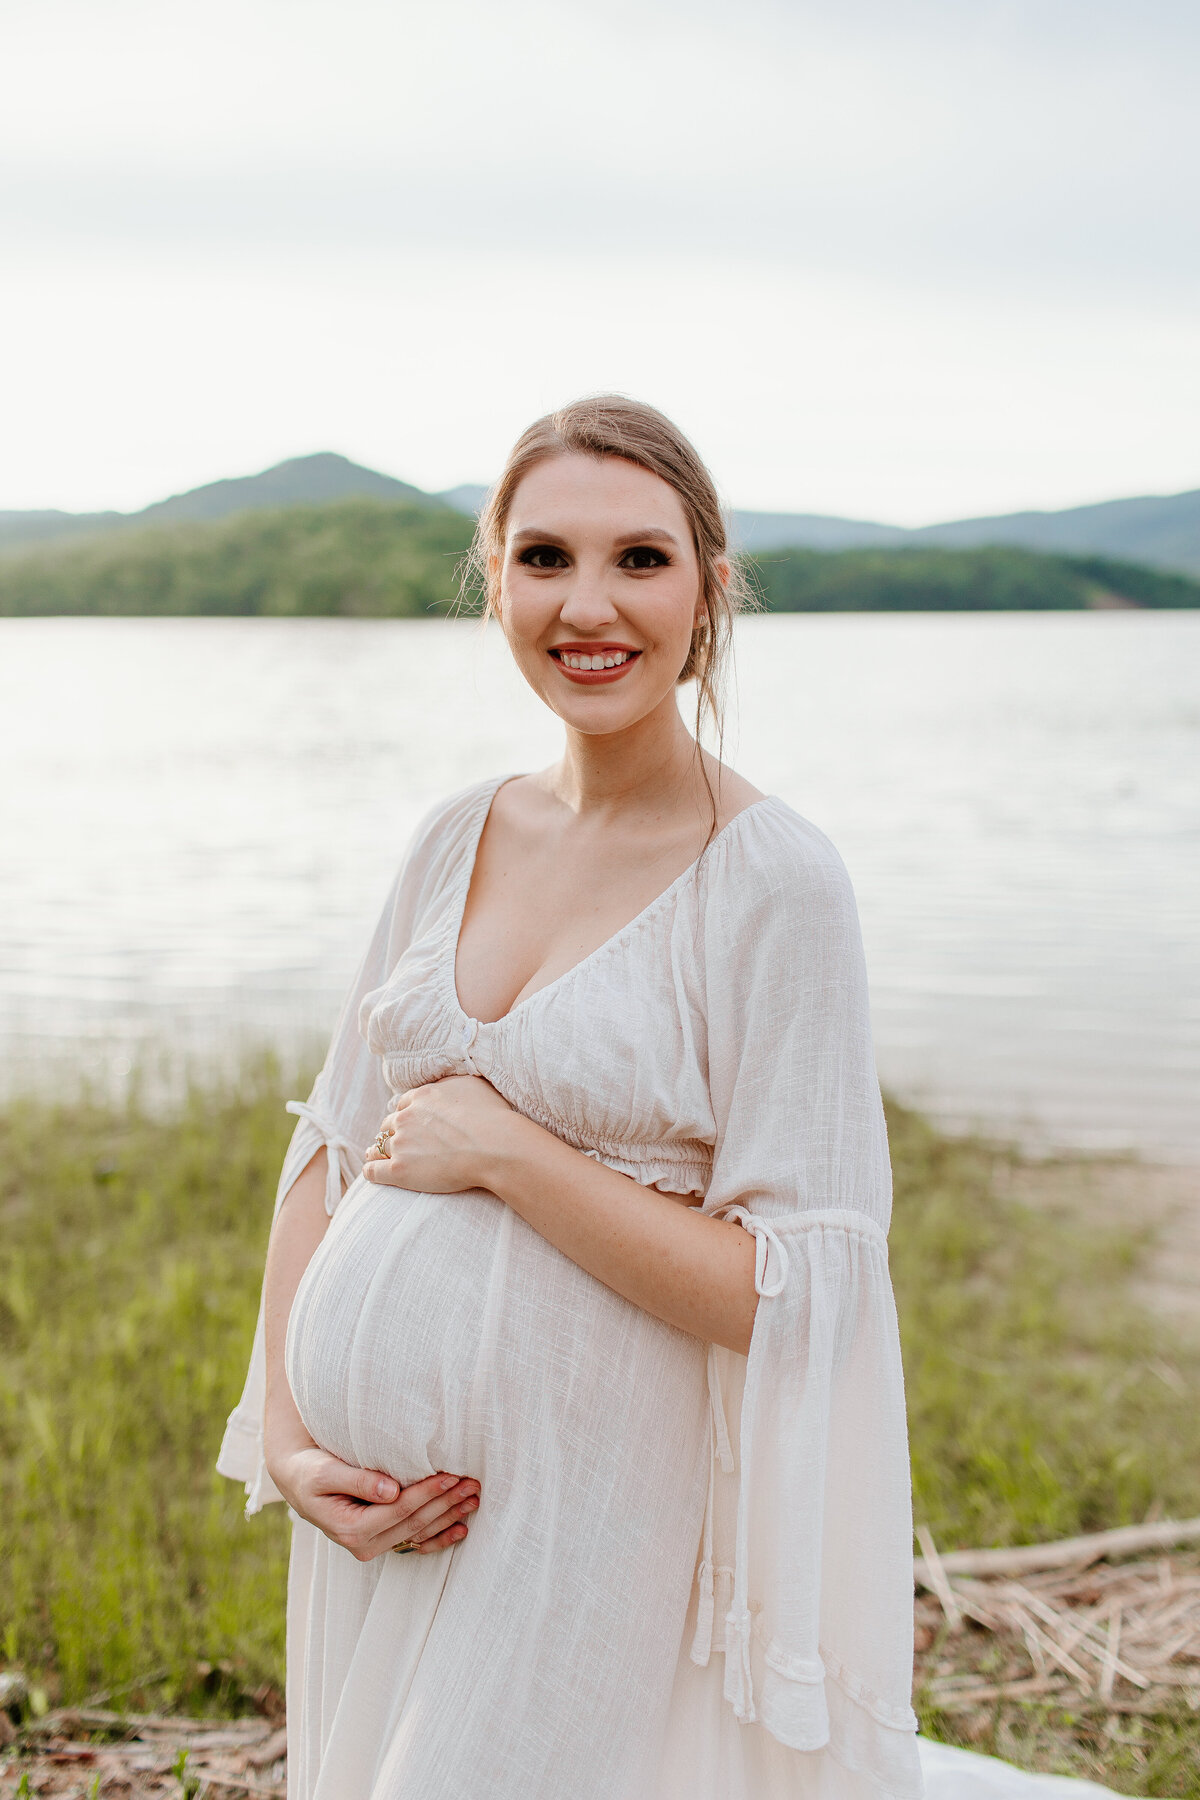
442,1138
369,1513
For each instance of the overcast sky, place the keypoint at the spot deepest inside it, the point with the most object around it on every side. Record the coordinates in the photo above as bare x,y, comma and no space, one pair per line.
895,259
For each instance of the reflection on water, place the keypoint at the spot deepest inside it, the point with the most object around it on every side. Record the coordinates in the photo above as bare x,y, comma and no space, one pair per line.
199,819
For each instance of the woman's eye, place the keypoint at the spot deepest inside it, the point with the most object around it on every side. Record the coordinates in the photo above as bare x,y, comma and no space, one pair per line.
642,556
543,556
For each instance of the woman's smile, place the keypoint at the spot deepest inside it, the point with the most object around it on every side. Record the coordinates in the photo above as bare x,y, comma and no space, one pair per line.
589,665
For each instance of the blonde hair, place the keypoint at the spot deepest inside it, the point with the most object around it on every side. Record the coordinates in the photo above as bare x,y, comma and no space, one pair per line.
612,425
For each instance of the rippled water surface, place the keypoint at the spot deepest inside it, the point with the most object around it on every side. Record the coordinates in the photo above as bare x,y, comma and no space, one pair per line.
199,818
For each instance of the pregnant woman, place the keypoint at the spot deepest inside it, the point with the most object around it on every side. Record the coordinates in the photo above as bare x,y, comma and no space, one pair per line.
577,1292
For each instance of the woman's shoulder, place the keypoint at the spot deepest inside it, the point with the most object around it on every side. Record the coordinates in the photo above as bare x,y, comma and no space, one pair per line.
772,859
449,820
441,839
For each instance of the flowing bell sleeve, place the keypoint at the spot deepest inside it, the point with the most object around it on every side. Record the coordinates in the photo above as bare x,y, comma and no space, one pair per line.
341,1115
818,1631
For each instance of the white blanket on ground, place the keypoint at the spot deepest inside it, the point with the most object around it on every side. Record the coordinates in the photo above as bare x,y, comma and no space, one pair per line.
952,1774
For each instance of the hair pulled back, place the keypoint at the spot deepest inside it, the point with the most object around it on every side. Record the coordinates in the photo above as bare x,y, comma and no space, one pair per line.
612,425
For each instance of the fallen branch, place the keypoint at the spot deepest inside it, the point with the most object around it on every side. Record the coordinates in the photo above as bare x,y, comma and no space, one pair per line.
937,1578
1075,1553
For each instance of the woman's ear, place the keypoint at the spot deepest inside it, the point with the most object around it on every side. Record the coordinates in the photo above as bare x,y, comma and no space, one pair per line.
724,573
493,584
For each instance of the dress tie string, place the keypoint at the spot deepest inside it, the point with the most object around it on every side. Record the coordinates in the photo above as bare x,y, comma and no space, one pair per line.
720,1451
342,1157
770,1278
770,1257
716,1400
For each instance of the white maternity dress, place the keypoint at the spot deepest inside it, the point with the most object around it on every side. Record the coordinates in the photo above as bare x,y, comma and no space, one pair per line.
690,1574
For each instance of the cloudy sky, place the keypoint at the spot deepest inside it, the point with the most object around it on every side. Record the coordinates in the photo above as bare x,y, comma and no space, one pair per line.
896,259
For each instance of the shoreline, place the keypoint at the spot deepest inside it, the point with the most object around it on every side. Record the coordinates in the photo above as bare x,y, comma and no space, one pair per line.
1050,1392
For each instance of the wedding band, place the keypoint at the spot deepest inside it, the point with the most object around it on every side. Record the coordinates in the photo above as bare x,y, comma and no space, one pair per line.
404,1548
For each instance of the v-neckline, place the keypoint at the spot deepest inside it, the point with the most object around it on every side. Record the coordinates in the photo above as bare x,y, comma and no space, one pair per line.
467,874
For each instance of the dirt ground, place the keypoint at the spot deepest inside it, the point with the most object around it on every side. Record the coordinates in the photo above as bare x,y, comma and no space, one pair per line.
1161,1200
83,1753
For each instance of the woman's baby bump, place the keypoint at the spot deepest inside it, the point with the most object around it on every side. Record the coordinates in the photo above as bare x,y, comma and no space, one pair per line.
383,1340
442,1332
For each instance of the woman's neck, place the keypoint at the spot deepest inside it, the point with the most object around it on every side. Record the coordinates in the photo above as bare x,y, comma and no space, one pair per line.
651,765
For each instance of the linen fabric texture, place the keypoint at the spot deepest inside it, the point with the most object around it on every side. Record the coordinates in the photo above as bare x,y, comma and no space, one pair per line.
690,1574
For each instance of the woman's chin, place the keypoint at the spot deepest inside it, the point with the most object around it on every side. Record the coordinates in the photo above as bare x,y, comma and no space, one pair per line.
602,710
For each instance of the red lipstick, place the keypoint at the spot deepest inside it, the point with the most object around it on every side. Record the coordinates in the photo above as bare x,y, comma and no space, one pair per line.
594,664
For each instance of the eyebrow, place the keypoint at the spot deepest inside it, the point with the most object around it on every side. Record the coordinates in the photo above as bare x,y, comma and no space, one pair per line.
653,534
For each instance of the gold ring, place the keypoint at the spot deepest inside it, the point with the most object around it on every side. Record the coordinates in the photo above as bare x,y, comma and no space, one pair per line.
382,1144
404,1548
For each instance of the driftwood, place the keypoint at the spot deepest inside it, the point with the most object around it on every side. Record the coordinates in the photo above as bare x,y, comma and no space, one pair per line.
1064,1619
1081,1552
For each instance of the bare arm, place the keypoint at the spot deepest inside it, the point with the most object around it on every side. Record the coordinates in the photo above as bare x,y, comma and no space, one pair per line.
694,1271
364,1510
299,1228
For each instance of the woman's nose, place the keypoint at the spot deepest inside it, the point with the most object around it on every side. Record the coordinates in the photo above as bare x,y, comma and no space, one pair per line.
588,604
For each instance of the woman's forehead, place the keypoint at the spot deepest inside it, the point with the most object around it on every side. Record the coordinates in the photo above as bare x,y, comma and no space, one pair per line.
572,491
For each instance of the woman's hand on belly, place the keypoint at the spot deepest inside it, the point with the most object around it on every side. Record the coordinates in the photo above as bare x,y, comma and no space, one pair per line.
441,1137
368,1513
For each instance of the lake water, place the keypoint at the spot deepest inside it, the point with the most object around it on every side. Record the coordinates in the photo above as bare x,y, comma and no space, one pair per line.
199,819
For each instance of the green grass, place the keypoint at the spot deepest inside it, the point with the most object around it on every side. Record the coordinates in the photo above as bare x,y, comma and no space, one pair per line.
1042,1400
130,1258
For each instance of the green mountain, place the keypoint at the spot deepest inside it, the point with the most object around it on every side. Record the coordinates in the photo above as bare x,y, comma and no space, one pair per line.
301,481
363,559
1160,529
383,558
938,580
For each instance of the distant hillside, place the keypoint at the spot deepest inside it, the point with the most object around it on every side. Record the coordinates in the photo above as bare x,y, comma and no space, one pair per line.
375,559
1161,530
751,532
937,580
468,498
301,481
21,529
362,559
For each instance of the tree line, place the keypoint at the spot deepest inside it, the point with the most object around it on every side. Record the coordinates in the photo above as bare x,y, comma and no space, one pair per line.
370,559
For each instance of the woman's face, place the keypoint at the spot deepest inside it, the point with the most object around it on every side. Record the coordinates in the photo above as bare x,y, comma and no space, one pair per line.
599,589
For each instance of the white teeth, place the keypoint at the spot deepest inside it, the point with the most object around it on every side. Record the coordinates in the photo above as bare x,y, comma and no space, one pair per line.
610,659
